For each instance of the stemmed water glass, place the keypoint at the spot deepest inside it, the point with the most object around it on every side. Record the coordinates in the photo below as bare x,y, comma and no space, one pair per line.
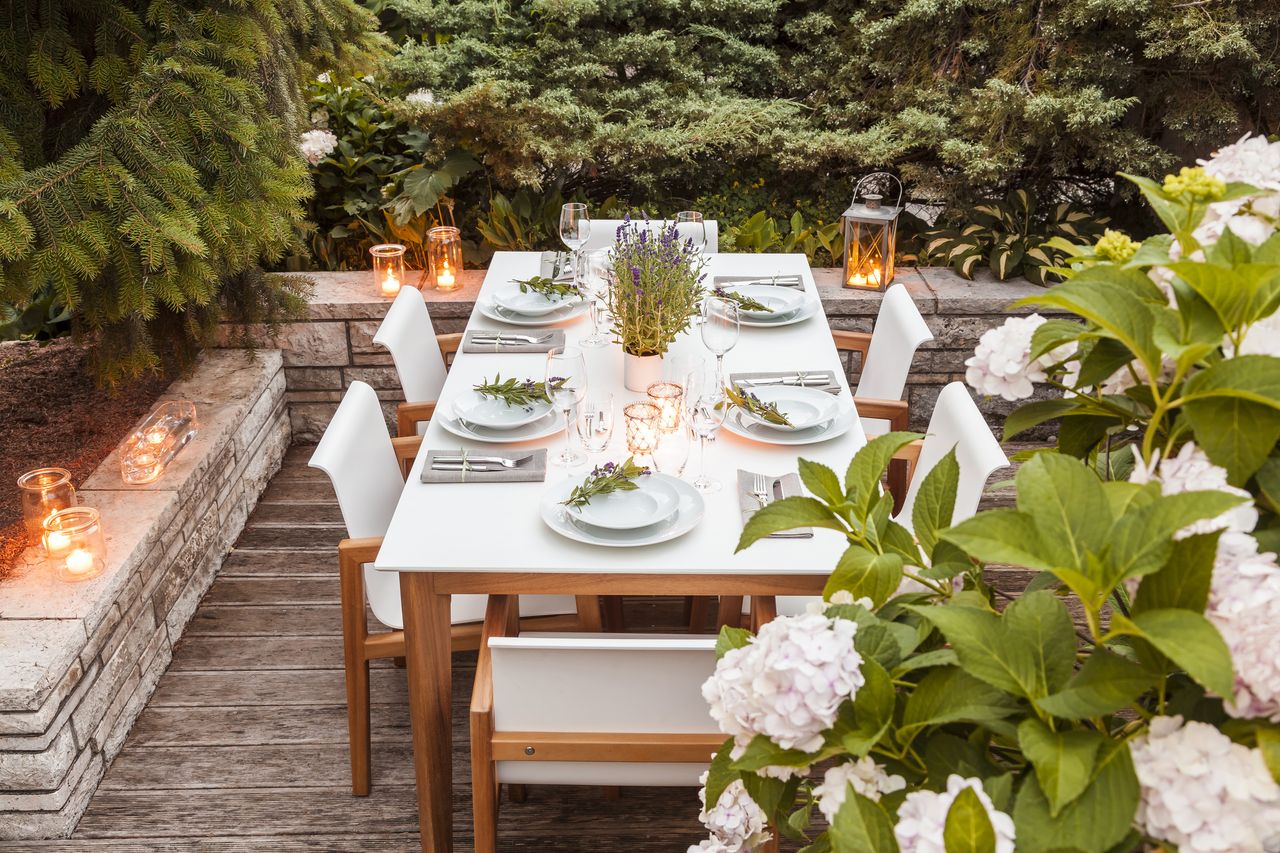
575,228
705,410
691,229
595,422
594,288
567,364
719,331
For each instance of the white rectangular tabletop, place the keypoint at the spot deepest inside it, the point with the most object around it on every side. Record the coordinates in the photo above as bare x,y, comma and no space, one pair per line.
495,527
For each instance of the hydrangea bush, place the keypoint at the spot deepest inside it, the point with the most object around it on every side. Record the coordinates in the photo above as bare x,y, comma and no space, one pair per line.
1129,697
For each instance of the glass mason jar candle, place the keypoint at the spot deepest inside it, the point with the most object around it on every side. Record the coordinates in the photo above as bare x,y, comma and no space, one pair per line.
44,491
642,427
388,267
444,254
74,542
669,398
156,440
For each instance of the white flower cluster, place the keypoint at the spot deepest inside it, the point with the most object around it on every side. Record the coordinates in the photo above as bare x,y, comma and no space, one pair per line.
867,779
710,845
1002,366
787,683
736,823
1191,471
420,98
1203,792
316,145
922,819
1252,160
1262,338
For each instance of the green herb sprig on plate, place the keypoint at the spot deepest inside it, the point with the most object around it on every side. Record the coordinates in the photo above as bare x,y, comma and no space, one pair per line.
547,287
746,303
606,479
519,392
749,402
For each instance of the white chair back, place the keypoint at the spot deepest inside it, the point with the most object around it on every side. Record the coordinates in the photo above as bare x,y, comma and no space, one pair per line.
408,334
624,683
604,233
957,422
899,332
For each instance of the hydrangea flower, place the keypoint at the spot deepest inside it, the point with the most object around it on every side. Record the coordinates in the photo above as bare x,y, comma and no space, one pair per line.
315,145
1191,471
867,779
1203,792
1250,160
735,822
1001,365
1115,246
1196,183
787,683
420,98
1244,605
922,818
710,845
1262,338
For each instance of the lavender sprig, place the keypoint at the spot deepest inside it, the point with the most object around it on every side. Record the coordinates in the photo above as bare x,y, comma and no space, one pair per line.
523,393
657,287
606,479
547,287
745,302
749,402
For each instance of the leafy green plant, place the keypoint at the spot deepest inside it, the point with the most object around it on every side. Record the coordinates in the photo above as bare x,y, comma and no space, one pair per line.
42,318
1011,236
822,243
530,220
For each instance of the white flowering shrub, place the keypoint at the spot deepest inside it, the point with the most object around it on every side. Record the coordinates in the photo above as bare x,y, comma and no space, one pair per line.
924,815
735,822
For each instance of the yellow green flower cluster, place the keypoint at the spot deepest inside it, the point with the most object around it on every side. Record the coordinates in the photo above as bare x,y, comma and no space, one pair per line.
1115,246
1195,184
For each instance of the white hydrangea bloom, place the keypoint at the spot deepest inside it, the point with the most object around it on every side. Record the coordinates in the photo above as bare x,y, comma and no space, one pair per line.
710,845
1001,364
1262,338
1203,792
1191,471
788,682
867,779
1251,160
922,819
420,98
736,822
1244,605
316,145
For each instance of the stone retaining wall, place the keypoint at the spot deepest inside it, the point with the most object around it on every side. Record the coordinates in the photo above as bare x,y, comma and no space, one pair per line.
79,661
334,345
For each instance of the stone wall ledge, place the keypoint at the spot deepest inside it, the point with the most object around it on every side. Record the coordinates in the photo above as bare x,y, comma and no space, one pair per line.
79,661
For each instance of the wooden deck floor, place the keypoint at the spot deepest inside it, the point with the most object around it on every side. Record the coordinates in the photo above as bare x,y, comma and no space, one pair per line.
243,745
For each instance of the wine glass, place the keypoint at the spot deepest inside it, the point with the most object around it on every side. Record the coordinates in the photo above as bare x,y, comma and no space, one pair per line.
719,331
594,288
706,410
567,386
595,422
691,229
575,228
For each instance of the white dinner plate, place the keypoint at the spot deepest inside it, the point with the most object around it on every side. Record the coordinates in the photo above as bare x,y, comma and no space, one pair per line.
741,426
528,304
566,311
804,312
491,413
779,300
806,408
548,425
686,517
653,500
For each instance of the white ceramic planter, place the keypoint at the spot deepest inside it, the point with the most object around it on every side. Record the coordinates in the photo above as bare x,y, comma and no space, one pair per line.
640,371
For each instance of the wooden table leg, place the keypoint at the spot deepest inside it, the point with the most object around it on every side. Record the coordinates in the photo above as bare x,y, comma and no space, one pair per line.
426,640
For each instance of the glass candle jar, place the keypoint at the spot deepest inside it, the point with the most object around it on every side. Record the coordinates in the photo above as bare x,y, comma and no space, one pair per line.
44,491
669,398
74,542
156,440
388,268
642,427
444,254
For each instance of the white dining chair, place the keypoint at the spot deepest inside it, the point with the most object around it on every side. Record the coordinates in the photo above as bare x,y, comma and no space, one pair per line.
590,709
604,233
364,465
419,356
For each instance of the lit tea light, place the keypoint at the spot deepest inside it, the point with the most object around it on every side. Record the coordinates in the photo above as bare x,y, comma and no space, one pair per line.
667,396
444,256
390,285
388,267
75,543
79,562
642,420
44,491
446,280
156,440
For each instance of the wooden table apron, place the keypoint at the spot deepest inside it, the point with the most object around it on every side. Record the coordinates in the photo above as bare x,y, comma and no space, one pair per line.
437,558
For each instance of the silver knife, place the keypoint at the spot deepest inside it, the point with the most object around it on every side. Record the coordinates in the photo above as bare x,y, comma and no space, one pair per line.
493,460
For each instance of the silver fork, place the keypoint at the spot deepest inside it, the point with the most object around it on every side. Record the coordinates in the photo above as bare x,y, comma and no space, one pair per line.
471,461
760,489
490,337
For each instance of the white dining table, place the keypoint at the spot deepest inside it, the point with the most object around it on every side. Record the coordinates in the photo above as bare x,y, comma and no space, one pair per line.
448,539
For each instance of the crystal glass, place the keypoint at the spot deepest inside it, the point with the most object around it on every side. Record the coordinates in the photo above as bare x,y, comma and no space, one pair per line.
567,363
44,491
74,542
672,452
388,267
642,427
720,330
692,229
598,267
595,422
575,228
669,398
706,412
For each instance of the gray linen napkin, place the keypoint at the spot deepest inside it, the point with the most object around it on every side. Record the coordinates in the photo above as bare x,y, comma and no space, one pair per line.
831,386
533,471
749,505
556,266
793,281
556,340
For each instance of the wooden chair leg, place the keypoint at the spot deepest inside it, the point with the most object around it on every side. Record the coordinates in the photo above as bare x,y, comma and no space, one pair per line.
729,612
699,610
355,632
590,613
516,793
614,619
764,609
484,788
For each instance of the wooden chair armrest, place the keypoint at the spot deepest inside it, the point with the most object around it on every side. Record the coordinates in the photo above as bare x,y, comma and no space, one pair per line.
409,415
852,341
910,454
449,343
497,623
406,449
896,412
357,552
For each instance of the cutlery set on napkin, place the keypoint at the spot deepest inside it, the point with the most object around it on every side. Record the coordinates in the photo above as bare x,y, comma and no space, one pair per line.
744,280
756,491
458,466
534,340
823,380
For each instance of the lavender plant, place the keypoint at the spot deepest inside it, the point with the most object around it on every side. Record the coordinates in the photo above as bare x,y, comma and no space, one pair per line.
605,480
657,287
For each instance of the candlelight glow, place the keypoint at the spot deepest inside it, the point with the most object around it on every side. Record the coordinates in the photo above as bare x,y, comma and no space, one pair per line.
156,440
75,543
642,427
388,267
668,397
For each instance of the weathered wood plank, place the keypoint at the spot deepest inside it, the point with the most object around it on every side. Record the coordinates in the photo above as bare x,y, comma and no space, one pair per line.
272,591
286,687
306,765
384,843
318,538
266,725
288,490
278,621
282,563
296,515
205,653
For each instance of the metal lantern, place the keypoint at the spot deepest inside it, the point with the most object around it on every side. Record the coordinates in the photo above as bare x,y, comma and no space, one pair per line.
870,231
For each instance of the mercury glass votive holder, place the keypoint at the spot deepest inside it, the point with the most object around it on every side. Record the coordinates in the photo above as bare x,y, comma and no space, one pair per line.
74,542
44,491
669,398
388,268
642,420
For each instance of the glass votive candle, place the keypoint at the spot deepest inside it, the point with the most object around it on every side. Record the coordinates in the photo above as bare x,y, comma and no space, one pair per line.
156,440
388,267
44,491
669,398
444,254
642,427
74,542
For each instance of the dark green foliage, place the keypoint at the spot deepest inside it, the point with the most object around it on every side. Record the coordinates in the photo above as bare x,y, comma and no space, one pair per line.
148,160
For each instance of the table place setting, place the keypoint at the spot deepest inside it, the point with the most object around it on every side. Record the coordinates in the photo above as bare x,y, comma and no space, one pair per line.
464,466
622,505
823,380
766,302
505,411
788,412
757,491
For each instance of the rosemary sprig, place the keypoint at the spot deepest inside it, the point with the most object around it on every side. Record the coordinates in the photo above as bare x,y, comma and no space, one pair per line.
745,302
547,287
515,392
606,479
749,402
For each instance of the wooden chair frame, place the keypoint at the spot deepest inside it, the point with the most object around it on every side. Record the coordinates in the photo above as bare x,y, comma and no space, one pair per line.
409,415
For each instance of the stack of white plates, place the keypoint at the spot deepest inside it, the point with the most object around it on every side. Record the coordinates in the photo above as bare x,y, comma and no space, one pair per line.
814,416
475,416
786,305
509,305
661,508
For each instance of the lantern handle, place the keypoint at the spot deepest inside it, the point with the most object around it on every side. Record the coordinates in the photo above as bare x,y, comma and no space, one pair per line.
857,188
